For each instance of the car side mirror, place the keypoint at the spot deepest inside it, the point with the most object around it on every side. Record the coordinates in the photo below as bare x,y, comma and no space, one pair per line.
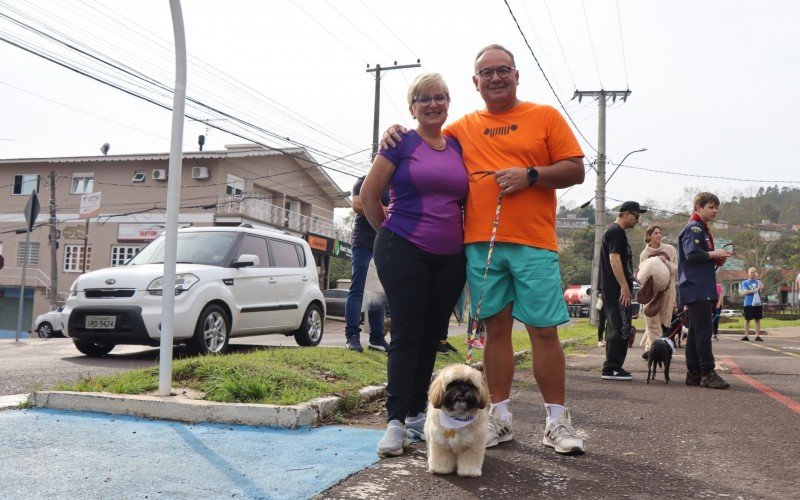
246,260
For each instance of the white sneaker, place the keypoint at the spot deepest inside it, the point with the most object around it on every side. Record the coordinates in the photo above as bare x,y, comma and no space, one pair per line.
500,431
602,343
394,440
562,437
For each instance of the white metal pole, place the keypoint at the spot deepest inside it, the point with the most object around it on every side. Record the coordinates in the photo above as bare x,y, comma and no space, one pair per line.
173,199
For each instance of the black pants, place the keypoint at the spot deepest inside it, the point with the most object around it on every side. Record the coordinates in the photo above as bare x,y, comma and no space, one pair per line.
422,289
699,358
618,330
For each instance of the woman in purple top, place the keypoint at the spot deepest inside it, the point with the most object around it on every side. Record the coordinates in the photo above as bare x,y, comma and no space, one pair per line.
419,252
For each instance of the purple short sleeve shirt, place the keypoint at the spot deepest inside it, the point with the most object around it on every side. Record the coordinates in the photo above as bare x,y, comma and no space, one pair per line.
426,192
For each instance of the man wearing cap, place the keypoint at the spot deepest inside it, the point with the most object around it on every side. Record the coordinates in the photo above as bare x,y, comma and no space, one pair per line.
616,285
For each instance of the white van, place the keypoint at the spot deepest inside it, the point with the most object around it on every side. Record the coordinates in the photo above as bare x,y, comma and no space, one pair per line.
230,282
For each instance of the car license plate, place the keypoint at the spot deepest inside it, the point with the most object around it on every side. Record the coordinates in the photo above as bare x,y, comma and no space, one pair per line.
101,322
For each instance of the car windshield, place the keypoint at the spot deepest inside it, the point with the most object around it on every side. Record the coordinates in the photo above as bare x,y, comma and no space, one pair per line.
193,248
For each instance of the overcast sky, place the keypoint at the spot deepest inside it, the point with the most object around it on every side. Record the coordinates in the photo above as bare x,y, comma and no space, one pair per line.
713,82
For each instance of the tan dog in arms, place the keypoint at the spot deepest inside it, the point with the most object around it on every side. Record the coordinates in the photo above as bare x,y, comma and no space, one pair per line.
456,424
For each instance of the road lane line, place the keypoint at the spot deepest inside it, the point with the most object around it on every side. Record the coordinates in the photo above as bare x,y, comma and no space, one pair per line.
764,389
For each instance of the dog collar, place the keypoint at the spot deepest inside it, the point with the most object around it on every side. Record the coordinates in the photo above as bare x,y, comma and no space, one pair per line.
669,343
455,423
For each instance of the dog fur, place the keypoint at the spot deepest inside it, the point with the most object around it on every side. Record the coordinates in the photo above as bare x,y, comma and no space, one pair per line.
660,354
457,391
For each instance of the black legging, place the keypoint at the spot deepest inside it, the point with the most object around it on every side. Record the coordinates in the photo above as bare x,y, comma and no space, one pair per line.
422,289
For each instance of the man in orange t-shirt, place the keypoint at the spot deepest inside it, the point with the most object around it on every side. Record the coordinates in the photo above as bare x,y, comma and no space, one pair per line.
528,151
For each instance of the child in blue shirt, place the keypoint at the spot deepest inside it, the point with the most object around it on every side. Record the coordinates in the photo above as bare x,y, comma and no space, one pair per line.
753,309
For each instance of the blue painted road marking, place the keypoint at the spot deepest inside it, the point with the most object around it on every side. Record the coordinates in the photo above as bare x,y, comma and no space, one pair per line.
50,453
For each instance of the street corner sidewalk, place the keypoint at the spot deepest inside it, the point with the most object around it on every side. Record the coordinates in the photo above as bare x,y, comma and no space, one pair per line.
66,454
180,408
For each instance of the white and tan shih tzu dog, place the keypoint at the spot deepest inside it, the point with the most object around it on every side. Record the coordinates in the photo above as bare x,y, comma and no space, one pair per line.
456,423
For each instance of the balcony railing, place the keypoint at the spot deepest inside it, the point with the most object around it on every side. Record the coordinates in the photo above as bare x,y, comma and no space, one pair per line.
263,211
34,277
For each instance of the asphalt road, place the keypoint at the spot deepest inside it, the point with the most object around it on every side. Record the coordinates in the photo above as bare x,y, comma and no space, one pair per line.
643,441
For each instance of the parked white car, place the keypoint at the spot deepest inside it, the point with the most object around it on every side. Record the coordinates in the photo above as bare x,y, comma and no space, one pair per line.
730,313
230,282
48,324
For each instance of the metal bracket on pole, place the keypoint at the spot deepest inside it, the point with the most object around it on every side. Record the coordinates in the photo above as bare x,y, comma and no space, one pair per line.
377,70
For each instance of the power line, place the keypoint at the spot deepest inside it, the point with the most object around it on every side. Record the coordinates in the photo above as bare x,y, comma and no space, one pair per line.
719,177
591,42
578,130
622,44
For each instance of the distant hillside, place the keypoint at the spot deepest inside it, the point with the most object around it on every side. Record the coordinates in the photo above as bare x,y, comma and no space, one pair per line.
778,205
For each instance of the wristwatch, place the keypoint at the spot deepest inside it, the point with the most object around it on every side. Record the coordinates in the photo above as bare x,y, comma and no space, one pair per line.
533,176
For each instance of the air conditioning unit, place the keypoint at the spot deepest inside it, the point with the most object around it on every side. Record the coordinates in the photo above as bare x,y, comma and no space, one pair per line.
200,173
159,174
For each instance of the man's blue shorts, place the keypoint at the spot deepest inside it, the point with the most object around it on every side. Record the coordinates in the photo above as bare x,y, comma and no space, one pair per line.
524,276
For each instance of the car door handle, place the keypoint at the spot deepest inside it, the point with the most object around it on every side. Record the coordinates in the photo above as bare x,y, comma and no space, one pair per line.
304,278
272,279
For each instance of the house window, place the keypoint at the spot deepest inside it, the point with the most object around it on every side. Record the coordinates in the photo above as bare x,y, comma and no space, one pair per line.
82,183
73,258
139,176
32,251
25,183
735,288
235,185
121,254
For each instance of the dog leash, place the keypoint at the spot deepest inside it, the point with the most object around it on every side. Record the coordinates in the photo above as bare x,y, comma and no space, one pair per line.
476,319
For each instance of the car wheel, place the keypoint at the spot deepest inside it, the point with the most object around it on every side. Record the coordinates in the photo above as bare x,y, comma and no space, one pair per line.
92,349
211,335
310,331
44,330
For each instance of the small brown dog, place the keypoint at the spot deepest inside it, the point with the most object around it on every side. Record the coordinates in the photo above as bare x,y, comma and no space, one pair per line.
456,424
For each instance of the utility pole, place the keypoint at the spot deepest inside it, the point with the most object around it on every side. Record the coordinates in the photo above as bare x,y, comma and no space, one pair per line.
376,116
600,190
53,244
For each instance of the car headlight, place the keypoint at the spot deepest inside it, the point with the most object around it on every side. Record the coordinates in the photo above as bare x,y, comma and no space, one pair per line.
183,282
73,290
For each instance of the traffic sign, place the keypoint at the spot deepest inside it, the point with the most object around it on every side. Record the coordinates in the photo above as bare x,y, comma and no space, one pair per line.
32,210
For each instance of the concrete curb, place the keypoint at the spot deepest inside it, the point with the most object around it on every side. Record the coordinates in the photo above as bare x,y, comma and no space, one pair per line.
183,409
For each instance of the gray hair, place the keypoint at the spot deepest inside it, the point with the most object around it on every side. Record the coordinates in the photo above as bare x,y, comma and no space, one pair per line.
494,46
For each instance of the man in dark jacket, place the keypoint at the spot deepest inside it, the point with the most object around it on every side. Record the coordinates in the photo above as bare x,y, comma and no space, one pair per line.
697,287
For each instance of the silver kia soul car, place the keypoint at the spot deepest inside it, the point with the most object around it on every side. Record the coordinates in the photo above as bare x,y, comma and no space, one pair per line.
230,282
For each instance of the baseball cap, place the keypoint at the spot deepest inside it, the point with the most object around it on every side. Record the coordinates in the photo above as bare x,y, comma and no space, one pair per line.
632,206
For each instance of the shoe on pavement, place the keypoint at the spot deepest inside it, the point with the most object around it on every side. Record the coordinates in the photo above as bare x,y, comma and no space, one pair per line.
713,381
745,339
693,379
500,431
601,343
415,427
618,374
715,337
354,344
561,436
759,339
379,344
394,440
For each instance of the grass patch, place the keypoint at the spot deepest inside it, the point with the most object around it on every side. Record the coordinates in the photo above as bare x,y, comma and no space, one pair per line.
738,323
283,376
